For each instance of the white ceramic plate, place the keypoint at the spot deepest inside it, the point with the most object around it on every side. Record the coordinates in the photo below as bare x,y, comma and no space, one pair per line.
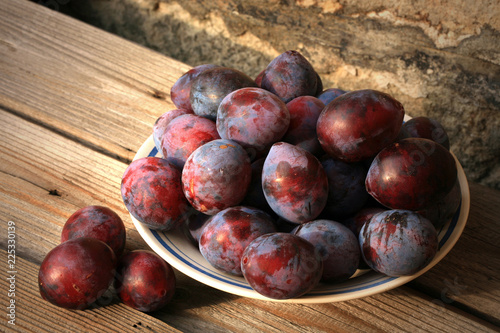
179,252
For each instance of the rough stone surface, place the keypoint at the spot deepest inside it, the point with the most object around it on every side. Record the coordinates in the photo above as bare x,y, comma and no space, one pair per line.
440,60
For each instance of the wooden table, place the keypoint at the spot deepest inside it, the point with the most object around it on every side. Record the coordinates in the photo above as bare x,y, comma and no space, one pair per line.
75,105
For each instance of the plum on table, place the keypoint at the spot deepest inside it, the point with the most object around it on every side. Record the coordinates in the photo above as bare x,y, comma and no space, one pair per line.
74,274
97,222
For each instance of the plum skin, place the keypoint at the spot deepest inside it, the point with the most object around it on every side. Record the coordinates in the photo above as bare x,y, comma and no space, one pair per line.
411,174
356,125
252,117
294,183
216,176
162,122
144,281
337,245
304,113
290,75
152,192
212,85
227,234
76,273
181,89
96,222
281,265
184,134
398,242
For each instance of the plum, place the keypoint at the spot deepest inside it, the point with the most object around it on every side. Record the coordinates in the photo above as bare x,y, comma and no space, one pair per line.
358,220
184,134
193,228
336,244
304,113
212,85
411,174
162,122
152,192
427,128
97,222
76,273
294,183
346,188
398,242
180,91
144,281
227,234
281,265
258,78
252,117
328,95
216,176
443,209
255,194
358,124
290,75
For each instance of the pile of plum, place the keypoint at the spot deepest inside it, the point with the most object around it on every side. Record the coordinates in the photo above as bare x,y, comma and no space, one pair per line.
76,273
288,184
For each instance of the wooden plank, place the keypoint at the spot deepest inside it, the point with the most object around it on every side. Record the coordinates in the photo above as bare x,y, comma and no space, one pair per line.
33,314
36,160
81,82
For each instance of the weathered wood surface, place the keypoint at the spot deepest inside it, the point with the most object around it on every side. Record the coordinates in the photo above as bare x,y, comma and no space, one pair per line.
68,132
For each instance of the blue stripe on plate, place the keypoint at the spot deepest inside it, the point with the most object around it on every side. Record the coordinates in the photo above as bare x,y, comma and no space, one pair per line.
153,152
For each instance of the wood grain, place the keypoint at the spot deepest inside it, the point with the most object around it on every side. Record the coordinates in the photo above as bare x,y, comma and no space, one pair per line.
88,85
68,131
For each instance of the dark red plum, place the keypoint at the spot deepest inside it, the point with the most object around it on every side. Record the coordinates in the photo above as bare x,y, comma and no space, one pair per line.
252,117
211,86
411,174
290,75
97,222
328,95
281,265
346,188
255,194
337,246
319,85
193,228
258,78
294,183
358,220
444,209
180,92
229,232
144,281
152,192
357,125
162,122
398,242
216,176
76,273
184,134
427,128
304,113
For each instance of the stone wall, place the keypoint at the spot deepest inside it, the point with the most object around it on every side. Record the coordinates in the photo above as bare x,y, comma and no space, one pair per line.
441,61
